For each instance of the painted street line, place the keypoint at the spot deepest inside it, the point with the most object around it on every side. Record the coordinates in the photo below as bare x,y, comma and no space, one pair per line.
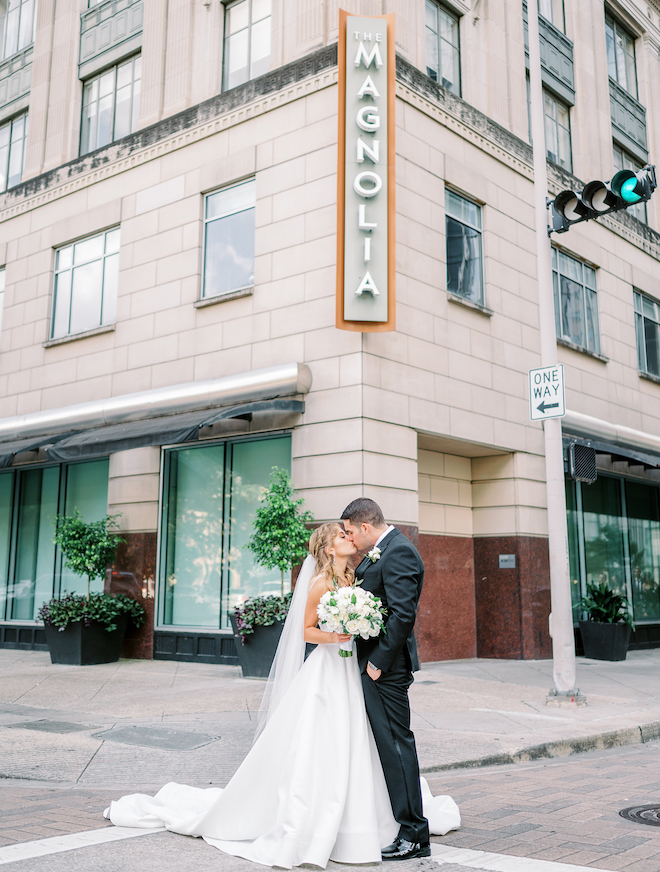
444,854
57,844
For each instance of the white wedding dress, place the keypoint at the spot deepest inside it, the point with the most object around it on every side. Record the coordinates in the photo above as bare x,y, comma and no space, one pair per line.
311,788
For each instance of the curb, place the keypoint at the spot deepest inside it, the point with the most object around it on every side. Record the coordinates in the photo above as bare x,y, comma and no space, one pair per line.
561,748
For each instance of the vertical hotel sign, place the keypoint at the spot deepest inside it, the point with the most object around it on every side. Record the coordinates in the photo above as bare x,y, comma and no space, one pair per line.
365,174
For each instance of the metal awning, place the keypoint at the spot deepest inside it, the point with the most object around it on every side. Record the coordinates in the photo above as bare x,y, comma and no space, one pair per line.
166,430
8,450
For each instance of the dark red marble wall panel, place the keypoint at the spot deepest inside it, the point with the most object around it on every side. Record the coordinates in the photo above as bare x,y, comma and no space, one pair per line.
133,574
512,605
446,620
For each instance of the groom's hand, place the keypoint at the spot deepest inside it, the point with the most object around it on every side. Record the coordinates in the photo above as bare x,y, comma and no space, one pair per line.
373,673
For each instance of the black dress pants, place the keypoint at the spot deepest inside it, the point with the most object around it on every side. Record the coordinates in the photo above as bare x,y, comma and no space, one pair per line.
388,709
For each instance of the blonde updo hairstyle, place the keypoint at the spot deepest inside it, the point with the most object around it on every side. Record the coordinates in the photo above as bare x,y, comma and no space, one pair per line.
319,542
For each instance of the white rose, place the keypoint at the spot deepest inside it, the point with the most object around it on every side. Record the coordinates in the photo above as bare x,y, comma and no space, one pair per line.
353,627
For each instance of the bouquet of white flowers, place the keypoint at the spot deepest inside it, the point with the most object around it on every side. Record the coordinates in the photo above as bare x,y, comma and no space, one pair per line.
351,610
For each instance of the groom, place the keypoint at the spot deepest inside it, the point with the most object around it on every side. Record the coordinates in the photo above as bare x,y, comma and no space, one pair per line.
393,571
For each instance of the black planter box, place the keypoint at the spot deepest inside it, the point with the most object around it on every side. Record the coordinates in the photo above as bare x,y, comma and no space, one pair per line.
257,653
605,641
78,645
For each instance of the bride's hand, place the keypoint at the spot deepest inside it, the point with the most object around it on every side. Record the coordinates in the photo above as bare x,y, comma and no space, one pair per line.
342,637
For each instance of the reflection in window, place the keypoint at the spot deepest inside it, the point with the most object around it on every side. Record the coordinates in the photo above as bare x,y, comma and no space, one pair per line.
553,11
464,248
86,280
229,240
247,41
17,25
30,565
625,161
576,304
644,545
557,131
620,56
647,329
111,104
13,138
210,497
614,537
443,54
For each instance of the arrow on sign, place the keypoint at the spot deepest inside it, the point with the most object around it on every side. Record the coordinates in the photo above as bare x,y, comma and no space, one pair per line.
545,406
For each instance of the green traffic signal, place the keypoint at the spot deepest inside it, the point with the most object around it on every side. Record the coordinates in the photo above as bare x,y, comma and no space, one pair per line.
628,192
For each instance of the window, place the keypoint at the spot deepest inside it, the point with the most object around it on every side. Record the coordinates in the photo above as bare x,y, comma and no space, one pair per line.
210,497
31,569
2,297
557,131
553,11
614,537
111,103
576,305
625,161
17,24
647,324
247,41
620,56
86,279
229,240
443,54
464,248
13,136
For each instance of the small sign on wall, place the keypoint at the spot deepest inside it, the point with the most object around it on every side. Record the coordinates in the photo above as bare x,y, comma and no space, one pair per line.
507,561
366,244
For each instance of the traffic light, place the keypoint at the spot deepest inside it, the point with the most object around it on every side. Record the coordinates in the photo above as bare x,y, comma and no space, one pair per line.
597,198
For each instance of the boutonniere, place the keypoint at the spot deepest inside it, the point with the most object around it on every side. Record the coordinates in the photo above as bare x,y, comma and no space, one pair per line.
374,554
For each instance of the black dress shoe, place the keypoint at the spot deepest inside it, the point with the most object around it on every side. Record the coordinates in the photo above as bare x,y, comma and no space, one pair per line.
402,849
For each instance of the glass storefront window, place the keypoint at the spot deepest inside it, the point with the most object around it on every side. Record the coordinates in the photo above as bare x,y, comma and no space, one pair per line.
614,537
210,496
644,538
31,569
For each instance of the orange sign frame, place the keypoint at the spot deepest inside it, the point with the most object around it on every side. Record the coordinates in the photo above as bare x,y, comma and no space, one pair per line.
341,322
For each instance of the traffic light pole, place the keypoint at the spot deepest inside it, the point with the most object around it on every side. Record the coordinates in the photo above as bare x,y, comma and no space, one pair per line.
561,617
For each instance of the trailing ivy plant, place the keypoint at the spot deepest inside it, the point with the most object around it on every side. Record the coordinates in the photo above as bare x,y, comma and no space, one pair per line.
280,535
88,546
100,607
604,606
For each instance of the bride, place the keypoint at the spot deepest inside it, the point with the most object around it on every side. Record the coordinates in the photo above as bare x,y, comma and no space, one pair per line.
312,787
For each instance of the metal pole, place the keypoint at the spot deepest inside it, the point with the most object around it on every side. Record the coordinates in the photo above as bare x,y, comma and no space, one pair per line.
561,617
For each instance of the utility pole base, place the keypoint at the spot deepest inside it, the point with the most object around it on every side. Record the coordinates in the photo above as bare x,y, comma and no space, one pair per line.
566,698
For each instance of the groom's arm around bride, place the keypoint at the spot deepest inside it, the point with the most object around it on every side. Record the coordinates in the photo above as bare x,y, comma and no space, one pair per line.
393,571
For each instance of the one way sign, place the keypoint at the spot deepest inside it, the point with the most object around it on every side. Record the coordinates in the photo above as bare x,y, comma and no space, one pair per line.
546,393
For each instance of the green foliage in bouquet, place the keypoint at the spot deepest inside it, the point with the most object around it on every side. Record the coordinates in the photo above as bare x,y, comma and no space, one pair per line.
603,605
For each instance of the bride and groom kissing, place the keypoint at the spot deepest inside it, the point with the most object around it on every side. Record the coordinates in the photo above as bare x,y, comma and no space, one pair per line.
333,772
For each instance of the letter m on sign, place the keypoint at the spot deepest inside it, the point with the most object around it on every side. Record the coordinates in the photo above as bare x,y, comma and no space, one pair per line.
368,59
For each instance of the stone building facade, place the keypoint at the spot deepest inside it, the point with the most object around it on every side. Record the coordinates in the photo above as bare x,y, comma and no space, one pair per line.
167,262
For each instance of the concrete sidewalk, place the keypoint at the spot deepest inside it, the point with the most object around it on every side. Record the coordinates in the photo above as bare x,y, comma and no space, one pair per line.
144,722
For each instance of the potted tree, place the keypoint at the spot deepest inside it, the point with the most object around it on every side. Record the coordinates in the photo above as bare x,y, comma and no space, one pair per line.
84,630
279,540
606,632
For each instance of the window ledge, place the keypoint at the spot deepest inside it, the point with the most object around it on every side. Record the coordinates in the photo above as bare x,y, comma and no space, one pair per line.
650,376
469,304
72,337
220,298
572,345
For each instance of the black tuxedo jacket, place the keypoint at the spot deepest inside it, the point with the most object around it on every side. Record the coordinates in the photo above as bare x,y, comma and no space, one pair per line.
396,577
